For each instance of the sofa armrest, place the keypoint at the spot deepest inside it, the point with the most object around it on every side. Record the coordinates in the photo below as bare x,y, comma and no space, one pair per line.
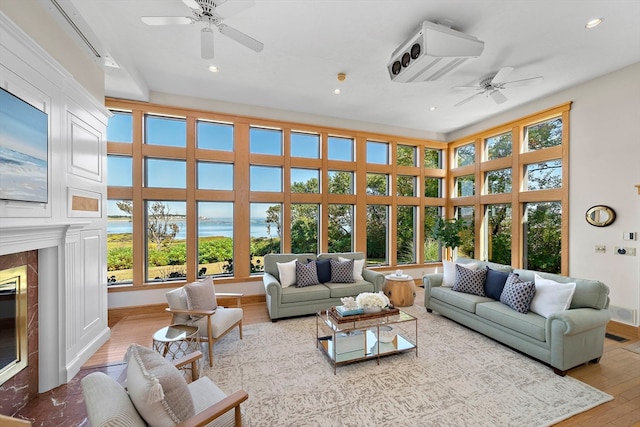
271,285
579,320
432,280
374,277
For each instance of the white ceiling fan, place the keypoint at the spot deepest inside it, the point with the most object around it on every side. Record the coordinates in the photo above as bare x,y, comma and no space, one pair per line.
212,13
492,85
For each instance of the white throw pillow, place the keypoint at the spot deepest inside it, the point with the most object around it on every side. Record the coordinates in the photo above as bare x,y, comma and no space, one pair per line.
551,296
287,273
358,265
449,269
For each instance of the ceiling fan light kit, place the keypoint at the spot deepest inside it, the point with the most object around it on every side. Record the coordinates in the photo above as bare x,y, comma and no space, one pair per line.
433,51
211,13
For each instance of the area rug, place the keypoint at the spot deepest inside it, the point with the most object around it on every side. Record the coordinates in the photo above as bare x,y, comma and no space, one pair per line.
459,378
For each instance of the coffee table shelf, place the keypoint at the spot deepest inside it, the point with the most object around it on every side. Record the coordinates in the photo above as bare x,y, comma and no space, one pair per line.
352,339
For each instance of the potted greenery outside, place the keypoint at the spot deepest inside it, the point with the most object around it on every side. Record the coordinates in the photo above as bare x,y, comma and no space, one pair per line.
447,233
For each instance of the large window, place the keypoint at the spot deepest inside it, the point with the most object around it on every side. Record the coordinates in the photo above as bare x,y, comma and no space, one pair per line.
193,193
520,188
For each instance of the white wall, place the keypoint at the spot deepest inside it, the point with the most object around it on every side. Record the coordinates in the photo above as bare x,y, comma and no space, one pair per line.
71,239
604,167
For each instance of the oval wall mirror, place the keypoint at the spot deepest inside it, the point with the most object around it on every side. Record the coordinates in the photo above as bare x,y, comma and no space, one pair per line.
600,215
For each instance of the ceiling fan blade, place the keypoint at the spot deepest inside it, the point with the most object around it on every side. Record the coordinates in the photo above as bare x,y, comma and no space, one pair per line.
241,37
501,75
206,43
167,20
464,101
497,96
192,4
523,82
231,7
466,87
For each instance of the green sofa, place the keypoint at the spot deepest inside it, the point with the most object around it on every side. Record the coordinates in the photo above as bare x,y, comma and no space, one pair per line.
293,301
564,340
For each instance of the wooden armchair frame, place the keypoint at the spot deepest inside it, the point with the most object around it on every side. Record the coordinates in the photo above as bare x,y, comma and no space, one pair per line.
232,401
209,314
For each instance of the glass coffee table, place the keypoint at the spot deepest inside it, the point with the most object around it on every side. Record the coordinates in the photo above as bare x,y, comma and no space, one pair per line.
348,339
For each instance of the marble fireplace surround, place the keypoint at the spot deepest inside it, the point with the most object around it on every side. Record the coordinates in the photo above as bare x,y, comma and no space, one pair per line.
47,329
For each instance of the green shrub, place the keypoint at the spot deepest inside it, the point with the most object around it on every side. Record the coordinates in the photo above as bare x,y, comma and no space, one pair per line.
119,259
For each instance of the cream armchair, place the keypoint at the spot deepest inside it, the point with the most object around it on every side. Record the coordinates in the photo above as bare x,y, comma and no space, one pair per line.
158,394
196,304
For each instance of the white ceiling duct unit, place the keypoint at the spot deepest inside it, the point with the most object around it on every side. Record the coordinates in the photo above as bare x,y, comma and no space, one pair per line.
433,51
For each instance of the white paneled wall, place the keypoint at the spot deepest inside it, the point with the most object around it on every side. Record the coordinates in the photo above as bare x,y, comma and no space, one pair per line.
70,230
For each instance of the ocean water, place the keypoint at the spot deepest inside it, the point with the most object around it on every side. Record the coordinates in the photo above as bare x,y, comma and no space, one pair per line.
206,228
24,177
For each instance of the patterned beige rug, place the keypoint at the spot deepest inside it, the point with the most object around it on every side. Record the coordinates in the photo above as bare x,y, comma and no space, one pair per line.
460,378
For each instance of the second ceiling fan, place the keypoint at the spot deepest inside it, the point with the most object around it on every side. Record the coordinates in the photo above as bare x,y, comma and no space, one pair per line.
491,86
212,13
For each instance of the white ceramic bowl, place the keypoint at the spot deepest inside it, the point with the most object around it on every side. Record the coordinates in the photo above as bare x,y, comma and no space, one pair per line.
387,334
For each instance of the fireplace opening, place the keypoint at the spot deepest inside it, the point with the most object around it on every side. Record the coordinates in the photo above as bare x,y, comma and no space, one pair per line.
13,322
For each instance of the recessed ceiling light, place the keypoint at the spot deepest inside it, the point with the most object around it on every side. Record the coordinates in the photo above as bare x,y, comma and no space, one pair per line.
213,68
433,108
337,91
594,23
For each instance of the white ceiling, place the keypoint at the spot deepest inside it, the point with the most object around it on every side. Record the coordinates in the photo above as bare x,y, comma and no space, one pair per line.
308,42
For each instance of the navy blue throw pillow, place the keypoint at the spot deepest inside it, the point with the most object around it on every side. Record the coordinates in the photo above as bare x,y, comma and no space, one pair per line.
324,270
494,284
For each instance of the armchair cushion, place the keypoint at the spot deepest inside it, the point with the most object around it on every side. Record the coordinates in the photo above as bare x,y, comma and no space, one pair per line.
201,295
117,410
177,300
156,388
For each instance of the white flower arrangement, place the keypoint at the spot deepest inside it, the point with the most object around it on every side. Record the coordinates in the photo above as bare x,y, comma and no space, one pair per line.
370,299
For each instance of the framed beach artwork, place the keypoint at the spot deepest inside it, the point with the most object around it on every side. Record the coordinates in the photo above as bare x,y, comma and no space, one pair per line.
24,131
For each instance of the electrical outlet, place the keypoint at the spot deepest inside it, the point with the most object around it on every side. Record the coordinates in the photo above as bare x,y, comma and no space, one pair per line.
629,235
625,251
600,249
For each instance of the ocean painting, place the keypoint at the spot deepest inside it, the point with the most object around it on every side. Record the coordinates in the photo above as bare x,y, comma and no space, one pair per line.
23,150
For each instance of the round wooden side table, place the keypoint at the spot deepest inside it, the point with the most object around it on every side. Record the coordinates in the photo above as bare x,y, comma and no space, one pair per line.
401,290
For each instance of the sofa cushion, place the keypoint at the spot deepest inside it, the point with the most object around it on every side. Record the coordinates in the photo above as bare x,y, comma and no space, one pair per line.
588,293
460,300
551,296
157,389
201,295
529,324
342,272
358,265
517,294
494,283
323,267
306,274
449,272
309,293
271,261
470,281
287,273
339,290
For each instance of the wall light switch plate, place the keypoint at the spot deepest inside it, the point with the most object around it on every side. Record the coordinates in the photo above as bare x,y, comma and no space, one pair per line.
600,249
629,235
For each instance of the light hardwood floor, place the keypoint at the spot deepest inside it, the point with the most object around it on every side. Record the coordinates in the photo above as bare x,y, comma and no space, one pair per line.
618,372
